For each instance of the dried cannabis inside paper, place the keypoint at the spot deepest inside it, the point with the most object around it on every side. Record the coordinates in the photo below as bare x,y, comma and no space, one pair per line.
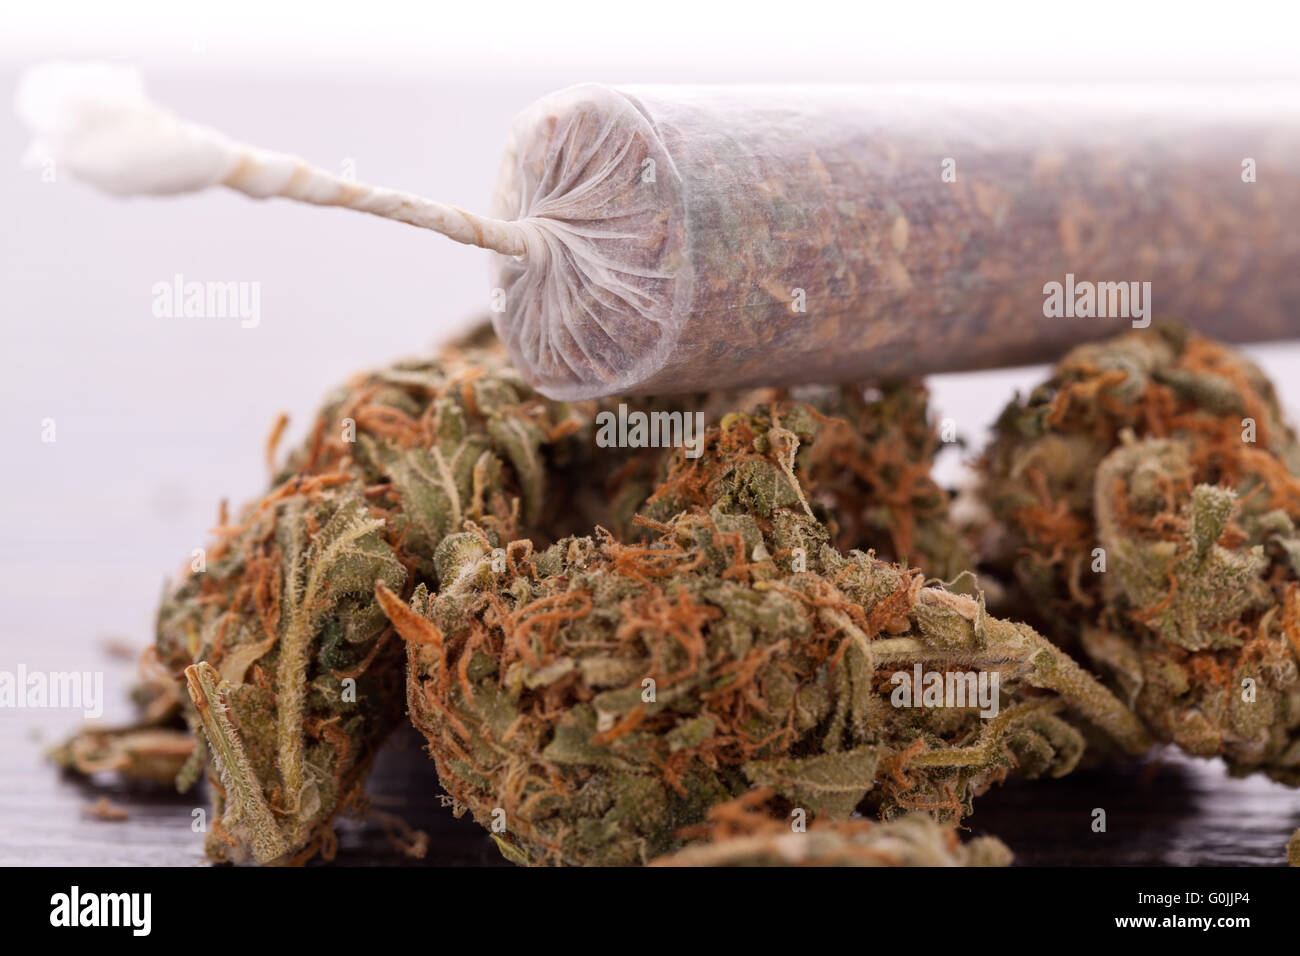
595,697
677,238
1148,495
754,830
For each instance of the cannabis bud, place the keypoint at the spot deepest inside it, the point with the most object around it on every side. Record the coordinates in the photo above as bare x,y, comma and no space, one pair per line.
1148,494
592,698
293,679
867,476
589,700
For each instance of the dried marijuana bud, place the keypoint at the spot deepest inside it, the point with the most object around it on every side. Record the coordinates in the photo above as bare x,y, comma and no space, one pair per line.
590,700
293,678
869,464
283,656
289,676
1148,496
864,458
444,440
749,831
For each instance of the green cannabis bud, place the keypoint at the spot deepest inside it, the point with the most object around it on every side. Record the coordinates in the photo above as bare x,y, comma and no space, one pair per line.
292,676
746,628
870,469
752,831
285,665
587,701
1148,495
867,477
